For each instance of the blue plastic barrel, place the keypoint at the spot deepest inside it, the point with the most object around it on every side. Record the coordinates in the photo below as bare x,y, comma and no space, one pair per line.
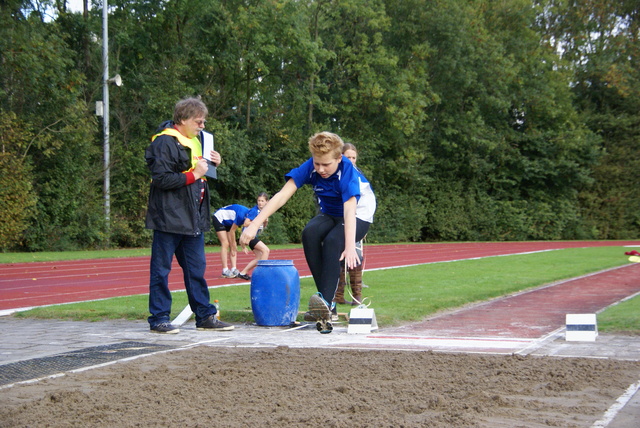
275,292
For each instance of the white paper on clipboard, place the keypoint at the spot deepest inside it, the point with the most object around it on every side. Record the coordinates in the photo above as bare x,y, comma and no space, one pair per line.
207,147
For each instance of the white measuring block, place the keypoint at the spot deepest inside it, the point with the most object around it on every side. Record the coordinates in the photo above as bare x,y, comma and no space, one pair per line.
182,317
581,327
362,321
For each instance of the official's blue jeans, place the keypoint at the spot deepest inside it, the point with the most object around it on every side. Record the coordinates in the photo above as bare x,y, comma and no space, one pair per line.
189,251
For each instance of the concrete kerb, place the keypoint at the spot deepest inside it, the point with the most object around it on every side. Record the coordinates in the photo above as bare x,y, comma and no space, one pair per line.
25,339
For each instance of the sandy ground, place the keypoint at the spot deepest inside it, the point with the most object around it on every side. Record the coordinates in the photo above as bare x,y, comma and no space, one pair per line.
239,387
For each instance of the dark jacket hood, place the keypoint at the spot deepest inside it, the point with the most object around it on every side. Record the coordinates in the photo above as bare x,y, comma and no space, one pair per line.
164,125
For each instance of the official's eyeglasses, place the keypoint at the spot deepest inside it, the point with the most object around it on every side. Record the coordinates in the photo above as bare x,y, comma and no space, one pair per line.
200,122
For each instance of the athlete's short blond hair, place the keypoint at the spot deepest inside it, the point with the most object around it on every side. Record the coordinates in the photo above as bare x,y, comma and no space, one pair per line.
324,143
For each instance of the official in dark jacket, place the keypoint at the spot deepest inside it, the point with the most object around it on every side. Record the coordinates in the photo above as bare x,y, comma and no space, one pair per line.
175,193
179,214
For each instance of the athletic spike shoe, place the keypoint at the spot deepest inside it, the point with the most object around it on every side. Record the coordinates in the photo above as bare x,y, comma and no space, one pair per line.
309,317
324,327
319,311
317,308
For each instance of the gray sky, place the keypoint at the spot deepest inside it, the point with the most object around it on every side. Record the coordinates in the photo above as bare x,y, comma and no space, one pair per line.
75,5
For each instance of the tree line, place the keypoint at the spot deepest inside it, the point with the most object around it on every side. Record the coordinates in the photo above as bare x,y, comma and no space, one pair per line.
475,119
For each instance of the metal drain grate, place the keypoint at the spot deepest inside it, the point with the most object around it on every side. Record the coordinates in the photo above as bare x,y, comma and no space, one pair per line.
47,366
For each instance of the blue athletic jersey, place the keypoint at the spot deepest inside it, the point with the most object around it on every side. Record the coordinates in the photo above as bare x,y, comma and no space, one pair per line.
231,214
331,192
252,214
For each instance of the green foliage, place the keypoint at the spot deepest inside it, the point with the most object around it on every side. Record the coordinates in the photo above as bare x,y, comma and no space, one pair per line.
600,39
129,234
43,89
399,218
474,119
16,200
275,233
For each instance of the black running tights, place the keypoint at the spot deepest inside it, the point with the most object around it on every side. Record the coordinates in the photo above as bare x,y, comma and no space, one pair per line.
323,243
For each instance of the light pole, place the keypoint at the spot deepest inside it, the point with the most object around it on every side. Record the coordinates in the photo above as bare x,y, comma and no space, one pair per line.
105,111
105,117
105,99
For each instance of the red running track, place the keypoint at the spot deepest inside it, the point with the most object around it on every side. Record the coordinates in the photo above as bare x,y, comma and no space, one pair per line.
534,313
44,283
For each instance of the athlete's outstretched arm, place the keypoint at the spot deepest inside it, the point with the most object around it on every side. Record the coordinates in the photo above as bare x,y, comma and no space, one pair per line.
274,204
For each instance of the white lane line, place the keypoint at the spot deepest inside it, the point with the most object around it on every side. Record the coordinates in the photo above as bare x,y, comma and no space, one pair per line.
611,413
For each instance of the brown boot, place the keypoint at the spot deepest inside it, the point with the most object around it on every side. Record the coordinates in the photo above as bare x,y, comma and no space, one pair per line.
355,277
339,297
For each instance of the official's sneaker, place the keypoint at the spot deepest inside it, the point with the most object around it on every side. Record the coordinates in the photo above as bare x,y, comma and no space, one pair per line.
227,273
165,328
235,272
211,323
244,276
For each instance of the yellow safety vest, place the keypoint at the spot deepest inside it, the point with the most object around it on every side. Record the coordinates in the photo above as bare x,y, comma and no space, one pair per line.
192,143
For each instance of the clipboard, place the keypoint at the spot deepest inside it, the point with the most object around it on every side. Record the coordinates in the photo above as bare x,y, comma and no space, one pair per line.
207,147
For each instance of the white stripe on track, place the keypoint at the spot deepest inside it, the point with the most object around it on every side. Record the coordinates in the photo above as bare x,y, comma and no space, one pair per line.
611,413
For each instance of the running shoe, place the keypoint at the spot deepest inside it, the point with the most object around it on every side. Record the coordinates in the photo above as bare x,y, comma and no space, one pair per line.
226,273
334,314
165,328
211,323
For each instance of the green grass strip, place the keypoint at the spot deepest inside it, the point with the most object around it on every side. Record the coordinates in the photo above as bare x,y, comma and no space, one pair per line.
621,318
402,295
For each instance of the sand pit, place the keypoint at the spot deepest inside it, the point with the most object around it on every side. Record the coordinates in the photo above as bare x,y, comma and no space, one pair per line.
239,387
